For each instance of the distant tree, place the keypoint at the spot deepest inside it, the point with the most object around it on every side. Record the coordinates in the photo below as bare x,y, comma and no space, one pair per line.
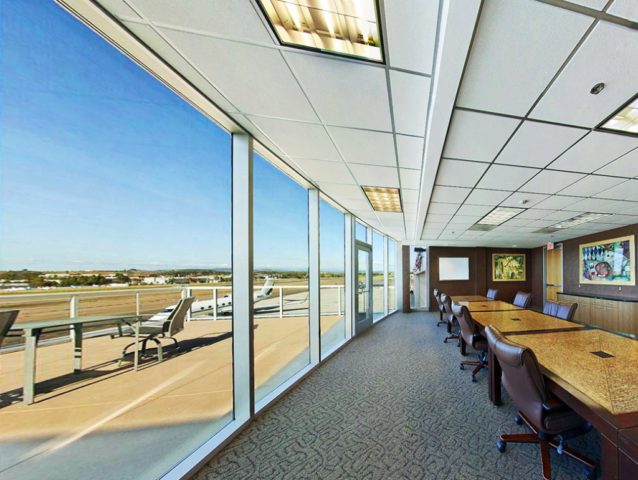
121,278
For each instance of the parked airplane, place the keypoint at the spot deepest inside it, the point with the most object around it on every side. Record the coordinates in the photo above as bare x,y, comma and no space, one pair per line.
224,304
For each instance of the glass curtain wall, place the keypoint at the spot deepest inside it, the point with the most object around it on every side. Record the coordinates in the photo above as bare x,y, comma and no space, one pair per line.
280,216
116,194
378,290
361,232
392,298
332,258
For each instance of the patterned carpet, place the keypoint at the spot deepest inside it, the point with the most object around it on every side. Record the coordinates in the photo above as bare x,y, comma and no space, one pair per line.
392,405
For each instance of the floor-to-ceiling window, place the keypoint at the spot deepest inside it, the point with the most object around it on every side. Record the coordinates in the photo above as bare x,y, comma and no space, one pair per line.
361,232
280,216
378,290
392,299
115,202
332,258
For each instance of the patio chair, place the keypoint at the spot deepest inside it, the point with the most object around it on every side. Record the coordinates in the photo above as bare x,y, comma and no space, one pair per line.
156,331
7,319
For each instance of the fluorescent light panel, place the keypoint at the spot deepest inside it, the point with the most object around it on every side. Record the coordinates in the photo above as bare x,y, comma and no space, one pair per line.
347,27
500,215
384,199
625,120
579,220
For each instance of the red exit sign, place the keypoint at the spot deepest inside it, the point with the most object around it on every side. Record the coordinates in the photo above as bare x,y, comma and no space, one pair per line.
550,246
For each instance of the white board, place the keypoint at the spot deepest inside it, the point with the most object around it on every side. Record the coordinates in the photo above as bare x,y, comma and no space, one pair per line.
454,268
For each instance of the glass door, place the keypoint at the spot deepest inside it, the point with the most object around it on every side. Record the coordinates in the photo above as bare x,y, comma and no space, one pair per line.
363,296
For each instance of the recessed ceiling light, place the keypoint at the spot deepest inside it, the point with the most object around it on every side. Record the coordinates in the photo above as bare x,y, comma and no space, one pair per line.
625,119
513,245
384,199
579,220
344,27
500,215
596,89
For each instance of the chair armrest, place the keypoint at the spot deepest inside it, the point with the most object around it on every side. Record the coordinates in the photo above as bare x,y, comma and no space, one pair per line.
553,404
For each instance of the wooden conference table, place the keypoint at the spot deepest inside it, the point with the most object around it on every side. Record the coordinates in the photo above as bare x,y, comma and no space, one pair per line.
593,371
33,330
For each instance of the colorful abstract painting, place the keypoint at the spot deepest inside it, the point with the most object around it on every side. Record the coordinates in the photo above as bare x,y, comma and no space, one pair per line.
507,267
608,262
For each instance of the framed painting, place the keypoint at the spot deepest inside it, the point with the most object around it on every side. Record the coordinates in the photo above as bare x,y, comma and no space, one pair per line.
608,262
509,267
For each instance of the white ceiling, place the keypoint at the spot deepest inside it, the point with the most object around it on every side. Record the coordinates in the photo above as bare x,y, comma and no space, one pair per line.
520,116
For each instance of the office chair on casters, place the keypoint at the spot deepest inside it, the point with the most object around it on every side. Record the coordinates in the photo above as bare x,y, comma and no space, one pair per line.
472,337
550,420
437,295
492,294
451,320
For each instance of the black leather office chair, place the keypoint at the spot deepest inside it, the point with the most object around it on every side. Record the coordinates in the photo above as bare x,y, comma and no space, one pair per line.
451,321
437,295
492,294
523,300
548,417
566,311
472,337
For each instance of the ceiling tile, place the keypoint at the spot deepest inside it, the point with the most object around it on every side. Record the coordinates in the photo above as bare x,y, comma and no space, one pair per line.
503,177
320,171
633,211
624,8
414,207
460,173
560,216
557,202
429,237
338,191
411,38
348,94
517,222
541,223
445,208
466,219
409,196
618,207
449,194
390,216
237,20
410,179
438,218
365,146
477,210
299,139
549,181
591,185
609,53
118,8
534,213
625,166
477,136
536,144
255,79
410,151
594,151
620,192
354,204
513,59
364,214
625,219
530,200
373,176
486,197
410,99
588,205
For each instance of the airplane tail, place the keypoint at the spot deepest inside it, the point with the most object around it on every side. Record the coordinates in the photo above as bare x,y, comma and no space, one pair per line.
267,288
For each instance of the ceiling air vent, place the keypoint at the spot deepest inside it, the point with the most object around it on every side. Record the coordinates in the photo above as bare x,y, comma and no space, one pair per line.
482,228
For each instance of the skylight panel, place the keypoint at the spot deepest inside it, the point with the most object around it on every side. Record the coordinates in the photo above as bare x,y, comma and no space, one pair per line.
384,199
345,27
625,120
500,215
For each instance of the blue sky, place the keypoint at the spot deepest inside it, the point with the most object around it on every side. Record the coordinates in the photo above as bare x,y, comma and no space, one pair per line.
103,167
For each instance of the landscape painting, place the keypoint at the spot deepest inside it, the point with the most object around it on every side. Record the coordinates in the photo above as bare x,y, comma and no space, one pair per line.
608,262
507,267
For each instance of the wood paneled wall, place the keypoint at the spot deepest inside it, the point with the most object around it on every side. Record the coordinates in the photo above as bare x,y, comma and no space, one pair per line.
480,272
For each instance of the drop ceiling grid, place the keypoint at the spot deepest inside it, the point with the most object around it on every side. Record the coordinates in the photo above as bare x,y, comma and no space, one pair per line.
543,170
157,27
